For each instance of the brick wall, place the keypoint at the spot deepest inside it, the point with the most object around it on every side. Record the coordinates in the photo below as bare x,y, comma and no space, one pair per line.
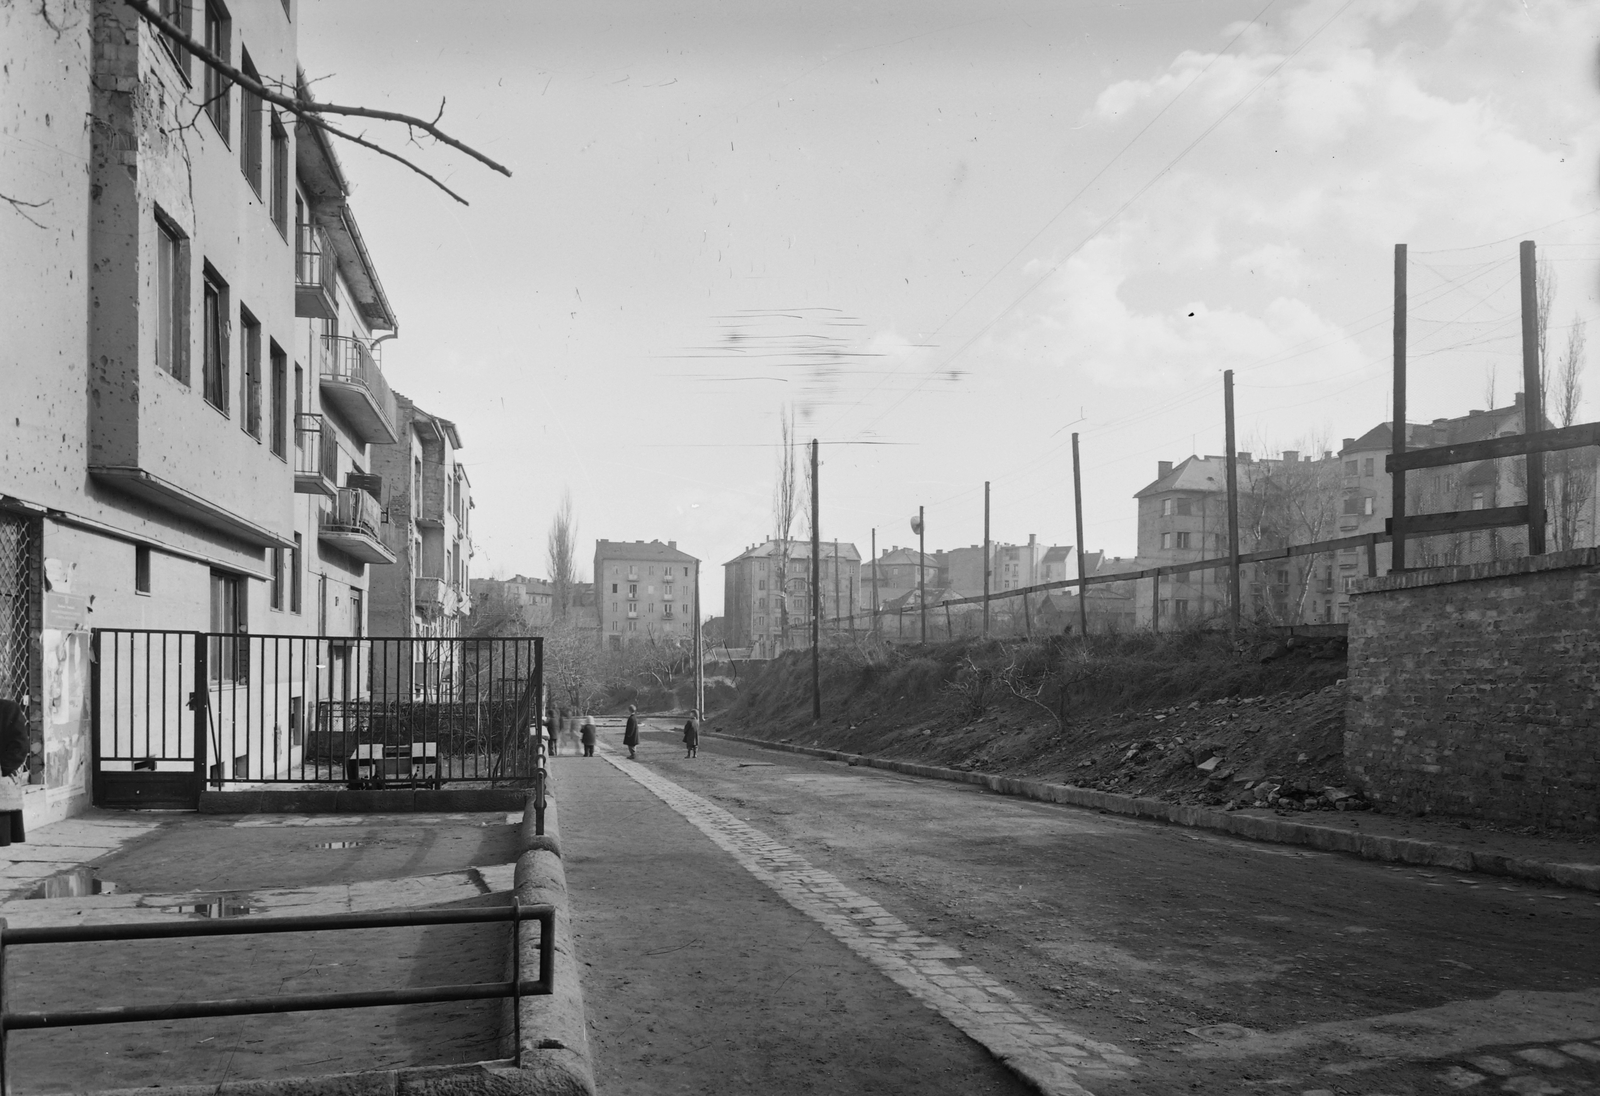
1475,690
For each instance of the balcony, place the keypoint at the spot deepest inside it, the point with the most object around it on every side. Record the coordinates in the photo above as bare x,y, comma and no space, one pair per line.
351,525
667,596
436,596
354,385
316,457
315,296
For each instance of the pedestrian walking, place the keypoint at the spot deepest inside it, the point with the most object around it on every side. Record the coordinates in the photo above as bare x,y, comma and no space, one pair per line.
14,749
691,733
587,734
561,717
630,733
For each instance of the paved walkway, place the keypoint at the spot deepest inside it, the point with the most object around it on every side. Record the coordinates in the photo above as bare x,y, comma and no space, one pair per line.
702,976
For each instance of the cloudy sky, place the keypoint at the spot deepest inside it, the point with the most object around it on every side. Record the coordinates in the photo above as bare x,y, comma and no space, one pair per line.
947,236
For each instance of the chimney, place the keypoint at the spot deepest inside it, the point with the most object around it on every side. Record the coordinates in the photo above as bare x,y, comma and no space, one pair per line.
1516,401
673,545
1349,443
1475,411
1327,454
1245,458
1291,456
1163,468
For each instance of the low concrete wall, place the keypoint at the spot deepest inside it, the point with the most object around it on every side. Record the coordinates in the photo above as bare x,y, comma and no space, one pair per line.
1400,850
1476,690
363,801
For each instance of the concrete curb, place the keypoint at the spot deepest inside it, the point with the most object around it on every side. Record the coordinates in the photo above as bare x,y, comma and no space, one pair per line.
471,1079
1401,850
363,801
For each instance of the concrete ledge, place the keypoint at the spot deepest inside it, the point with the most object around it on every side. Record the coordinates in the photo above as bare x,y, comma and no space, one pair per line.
498,1078
553,1029
1326,838
364,801
1477,572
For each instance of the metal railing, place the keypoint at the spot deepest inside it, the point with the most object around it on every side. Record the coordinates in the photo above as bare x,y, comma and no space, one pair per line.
516,988
316,448
357,711
314,267
349,360
354,510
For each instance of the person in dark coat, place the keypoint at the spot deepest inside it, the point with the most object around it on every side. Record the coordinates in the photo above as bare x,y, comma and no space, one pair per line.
630,733
691,733
13,770
587,734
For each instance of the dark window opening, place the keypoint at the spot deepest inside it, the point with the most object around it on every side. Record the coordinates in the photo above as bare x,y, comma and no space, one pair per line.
216,87
215,347
141,569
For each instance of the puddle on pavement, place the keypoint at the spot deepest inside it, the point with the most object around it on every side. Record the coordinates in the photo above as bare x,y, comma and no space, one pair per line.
338,844
225,905
76,883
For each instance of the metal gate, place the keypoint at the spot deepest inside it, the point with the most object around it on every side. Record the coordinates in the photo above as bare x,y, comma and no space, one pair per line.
176,712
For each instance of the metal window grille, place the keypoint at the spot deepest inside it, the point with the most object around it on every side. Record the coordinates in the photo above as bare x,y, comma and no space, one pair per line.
17,597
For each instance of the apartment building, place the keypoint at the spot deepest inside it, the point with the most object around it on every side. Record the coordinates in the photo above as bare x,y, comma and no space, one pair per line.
519,602
644,591
896,572
191,401
759,596
427,593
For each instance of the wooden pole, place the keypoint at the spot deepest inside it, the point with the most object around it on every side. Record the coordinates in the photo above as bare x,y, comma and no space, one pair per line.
1077,506
1027,617
816,590
1233,506
874,582
949,630
1155,602
1397,529
699,652
1532,396
922,552
985,559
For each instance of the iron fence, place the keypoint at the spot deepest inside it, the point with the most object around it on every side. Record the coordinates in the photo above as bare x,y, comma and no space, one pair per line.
176,711
516,988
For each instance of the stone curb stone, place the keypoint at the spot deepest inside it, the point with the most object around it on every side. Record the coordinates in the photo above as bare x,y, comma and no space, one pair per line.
554,1031
363,801
1403,850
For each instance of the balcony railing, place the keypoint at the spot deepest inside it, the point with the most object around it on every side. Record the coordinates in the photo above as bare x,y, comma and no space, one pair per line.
352,524
316,456
353,383
314,272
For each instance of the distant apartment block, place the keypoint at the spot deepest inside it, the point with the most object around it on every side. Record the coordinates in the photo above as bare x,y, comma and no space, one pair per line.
518,601
760,596
643,591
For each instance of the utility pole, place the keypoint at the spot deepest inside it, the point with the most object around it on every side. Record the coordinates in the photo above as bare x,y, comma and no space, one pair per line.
1233,507
874,628
985,559
922,554
1397,508
816,591
699,651
1532,397
1077,505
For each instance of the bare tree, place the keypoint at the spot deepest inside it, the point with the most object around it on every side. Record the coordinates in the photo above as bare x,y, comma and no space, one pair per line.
561,554
1284,502
785,501
1570,473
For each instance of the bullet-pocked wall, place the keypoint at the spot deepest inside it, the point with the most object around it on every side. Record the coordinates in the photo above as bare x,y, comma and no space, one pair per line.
1475,690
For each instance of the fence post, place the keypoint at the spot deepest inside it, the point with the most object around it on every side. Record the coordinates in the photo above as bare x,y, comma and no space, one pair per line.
1155,602
1372,555
96,793
200,704
5,1078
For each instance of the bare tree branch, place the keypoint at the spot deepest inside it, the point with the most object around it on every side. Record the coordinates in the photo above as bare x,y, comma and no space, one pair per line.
309,109
22,208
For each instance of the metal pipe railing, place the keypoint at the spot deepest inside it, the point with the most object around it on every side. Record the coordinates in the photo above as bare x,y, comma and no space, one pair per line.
516,988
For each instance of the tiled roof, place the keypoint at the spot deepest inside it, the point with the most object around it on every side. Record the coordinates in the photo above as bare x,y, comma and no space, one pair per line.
799,548
652,551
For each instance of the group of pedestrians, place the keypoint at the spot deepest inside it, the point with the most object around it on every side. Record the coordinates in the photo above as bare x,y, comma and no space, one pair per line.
557,718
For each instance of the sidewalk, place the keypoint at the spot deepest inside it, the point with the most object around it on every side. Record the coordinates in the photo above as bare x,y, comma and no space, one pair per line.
700,979
1563,860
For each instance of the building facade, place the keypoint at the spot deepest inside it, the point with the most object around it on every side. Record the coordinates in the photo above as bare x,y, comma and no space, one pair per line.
192,402
644,591
761,597
519,601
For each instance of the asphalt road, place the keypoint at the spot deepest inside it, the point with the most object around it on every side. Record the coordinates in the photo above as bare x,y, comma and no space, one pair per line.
1147,958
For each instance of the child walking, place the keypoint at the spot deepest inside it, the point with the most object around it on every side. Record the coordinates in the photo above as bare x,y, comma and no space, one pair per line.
691,733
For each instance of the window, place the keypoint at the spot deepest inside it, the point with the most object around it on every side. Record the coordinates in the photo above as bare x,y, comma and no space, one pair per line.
1366,505
295,575
172,300
1366,466
141,569
280,175
250,111
761,603
275,579
1349,467
1180,608
1166,508
299,402
1183,507
1166,540
215,88
633,589
177,11
761,584
1477,500
613,590
229,657
215,348
280,398
250,378
1183,540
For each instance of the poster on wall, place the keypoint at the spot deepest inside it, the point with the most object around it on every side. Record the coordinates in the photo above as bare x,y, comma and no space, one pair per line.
64,643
